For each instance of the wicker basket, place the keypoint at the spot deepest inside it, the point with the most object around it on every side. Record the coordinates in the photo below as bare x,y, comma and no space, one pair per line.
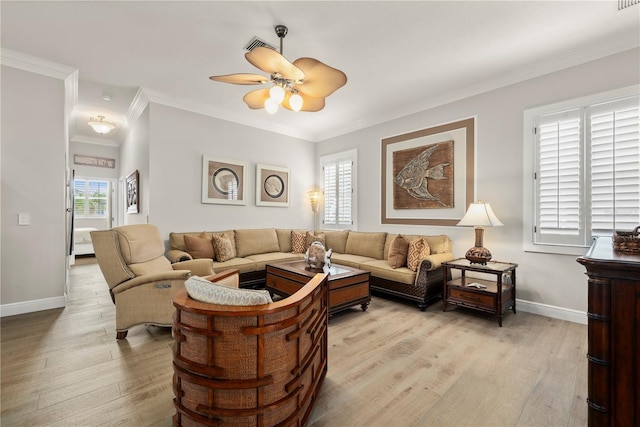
627,241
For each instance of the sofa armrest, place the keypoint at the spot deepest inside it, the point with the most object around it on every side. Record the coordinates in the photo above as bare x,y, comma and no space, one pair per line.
176,255
160,276
434,261
198,267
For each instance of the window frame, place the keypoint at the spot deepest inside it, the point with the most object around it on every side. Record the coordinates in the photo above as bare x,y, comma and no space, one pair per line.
530,156
349,155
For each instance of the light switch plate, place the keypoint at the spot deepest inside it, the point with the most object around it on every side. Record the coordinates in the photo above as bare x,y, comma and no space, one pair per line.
24,219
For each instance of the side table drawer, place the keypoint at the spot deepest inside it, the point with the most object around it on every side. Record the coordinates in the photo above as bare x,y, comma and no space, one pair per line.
473,298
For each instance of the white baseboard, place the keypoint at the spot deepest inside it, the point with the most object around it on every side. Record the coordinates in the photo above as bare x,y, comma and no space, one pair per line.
31,306
552,311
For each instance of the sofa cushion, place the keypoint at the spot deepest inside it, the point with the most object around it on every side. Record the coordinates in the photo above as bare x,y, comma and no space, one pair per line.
243,265
298,242
418,249
350,260
439,244
223,247
256,241
262,260
310,237
382,269
203,290
199,246
398,252
336,240
284,239
366,244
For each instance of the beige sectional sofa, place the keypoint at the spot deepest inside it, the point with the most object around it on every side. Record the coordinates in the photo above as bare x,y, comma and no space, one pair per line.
254,248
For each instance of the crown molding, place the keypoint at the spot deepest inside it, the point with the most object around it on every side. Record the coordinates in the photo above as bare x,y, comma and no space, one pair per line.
25,62
158,97
96,141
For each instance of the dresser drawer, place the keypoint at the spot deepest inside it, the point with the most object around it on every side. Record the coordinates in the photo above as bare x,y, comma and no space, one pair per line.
473,298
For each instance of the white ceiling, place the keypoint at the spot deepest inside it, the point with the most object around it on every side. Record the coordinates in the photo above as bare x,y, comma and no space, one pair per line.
400,56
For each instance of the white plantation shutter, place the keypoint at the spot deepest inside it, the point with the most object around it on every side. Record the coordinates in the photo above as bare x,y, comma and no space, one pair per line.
587,172
91,198
559,177
615,167
338,189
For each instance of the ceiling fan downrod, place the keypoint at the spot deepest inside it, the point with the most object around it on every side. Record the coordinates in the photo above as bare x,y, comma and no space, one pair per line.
281,31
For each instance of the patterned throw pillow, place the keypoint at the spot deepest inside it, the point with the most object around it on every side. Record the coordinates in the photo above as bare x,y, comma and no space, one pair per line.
200,246
398,251
203,290
297,242
418,249
310,238
223,247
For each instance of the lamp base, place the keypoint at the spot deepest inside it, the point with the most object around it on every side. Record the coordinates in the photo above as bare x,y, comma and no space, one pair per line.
478,255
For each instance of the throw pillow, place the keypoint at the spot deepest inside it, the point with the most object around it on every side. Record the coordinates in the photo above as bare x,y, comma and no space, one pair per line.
200,246
223,247
418,249
203,290
398,252
297,242
310,238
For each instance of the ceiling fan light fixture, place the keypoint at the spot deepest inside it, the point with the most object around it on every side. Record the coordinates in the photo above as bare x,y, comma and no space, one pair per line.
271,105
277,93
101,126
295,101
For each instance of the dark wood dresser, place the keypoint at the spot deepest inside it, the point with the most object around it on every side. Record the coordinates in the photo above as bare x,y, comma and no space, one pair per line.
614,335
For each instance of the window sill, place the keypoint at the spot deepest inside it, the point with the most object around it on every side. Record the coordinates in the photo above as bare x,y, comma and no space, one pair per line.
556,249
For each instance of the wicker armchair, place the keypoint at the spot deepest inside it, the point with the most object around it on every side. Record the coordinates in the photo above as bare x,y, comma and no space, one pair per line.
257,365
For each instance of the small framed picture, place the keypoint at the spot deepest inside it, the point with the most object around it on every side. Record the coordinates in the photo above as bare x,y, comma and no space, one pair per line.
132,192
272,186
223,181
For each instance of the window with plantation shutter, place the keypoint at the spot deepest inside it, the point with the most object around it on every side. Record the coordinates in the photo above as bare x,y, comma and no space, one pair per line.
338,175
586,172
90,198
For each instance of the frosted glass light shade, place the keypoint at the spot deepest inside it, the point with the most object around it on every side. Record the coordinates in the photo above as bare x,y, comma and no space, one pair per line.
100,125
277,93
295,102
271,106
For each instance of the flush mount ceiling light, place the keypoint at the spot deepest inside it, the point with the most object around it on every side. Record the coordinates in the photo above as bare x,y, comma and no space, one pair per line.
100,125
299,86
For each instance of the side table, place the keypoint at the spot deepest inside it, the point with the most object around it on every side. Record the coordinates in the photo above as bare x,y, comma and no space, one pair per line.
491,296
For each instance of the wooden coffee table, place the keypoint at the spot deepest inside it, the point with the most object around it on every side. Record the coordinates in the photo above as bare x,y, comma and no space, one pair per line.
348,286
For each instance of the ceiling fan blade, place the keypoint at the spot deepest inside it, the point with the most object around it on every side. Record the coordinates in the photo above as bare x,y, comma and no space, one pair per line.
270,61
241,79
255,99
320,80
309,103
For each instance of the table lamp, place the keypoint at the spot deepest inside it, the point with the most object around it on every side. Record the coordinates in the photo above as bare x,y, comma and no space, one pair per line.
479,215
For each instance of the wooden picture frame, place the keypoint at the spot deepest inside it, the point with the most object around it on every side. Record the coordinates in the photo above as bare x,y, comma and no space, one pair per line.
425,211
272,186
132,192
223,181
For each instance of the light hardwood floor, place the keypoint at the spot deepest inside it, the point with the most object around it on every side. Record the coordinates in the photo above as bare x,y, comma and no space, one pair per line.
389,366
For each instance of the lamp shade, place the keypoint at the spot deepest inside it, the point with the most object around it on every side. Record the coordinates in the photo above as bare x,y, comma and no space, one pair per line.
480,215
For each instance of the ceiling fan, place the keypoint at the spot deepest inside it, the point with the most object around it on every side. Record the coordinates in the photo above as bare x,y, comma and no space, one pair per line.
299,86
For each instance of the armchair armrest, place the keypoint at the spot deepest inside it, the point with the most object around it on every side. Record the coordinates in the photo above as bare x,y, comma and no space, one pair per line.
198,267
176,255
171,275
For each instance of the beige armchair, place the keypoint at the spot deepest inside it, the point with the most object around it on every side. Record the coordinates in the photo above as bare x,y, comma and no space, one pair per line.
141,280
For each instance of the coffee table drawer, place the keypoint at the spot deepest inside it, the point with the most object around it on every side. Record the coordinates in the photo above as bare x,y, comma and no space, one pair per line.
472,298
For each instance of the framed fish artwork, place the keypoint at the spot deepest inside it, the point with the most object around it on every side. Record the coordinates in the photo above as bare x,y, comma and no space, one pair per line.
428,175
